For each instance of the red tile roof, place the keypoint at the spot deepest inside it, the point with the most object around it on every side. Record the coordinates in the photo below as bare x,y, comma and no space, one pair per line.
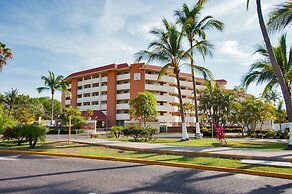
98,69
97,115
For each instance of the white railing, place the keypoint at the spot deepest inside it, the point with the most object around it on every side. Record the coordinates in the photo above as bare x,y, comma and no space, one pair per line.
164,88
166,108
186,84
123,86
103,88
123,96
104,79
164,78
123,116
123,77
123,106
166,98
67,102
103,97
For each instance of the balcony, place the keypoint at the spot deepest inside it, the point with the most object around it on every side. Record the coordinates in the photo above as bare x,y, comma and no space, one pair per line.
164,88
67,102
123,86
164,78
167,108
123,106
123,77
103,88
166,98
125,96
186,84
104,79
168,118
123,116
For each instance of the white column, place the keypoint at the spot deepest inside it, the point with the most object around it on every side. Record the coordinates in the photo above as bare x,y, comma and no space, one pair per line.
290,140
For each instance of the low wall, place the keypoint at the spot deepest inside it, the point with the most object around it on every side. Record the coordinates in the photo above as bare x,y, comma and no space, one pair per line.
177,129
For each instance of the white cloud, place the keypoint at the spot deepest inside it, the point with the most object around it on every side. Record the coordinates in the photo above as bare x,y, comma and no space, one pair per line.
233,50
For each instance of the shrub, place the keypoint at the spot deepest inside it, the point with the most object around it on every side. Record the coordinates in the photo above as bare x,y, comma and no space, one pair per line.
267,134
13,134
116,130
94,135
139,133
28,132
33,133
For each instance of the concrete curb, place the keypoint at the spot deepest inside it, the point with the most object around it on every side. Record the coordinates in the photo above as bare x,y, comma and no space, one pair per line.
186,153
149,162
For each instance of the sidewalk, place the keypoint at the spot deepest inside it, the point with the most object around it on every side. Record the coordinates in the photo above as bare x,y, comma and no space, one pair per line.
225,152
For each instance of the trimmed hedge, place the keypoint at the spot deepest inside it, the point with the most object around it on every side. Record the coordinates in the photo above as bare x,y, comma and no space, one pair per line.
270,134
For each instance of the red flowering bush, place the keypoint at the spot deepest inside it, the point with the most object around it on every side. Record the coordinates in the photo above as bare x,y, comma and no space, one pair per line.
220,133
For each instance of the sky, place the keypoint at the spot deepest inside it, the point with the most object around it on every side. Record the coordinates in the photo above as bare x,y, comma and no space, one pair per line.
65,36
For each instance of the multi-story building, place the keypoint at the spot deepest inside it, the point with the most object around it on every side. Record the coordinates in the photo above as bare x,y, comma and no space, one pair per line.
110,88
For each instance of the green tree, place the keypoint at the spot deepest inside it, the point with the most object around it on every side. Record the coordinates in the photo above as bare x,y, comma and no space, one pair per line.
53,83
281,114
281,17
195,29
47,104
167,49
251,112
74,113
143,107
5,53
10,99
275,64
263,71
216,102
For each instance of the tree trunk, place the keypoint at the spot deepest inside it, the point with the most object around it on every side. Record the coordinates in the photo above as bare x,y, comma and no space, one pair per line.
34,142
194,84
185,135
52,113
274,62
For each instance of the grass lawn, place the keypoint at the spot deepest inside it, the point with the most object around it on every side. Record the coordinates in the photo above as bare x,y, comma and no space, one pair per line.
215,143
63,147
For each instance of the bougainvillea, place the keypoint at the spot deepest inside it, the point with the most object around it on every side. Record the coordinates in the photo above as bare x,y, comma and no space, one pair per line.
220,133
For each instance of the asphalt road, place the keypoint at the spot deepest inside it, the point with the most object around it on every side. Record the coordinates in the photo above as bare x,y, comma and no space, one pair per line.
43,174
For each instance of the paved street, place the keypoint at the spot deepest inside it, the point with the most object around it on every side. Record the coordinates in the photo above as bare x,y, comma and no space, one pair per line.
43,174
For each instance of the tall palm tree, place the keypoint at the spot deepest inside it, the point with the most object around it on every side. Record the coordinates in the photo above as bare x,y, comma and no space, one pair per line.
263,71
167,48
10,99
5,53
281,17
53,83
195,28
276,66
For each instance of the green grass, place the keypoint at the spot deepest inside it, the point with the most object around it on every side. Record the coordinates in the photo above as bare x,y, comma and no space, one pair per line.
62,147
215,143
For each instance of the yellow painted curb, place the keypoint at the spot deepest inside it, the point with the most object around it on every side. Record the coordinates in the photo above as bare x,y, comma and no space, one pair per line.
162,163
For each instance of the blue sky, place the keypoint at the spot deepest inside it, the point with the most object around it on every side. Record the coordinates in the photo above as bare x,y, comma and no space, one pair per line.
66,36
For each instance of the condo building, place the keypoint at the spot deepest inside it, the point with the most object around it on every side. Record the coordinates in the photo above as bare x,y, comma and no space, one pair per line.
107,90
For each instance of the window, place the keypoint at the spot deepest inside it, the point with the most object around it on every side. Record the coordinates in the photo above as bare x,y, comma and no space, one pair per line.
104,93
94,102
80,79
95,93
86,95
87,86
95,85
86,103
103,102
68,98
79,96
79,104
87,77
104,84
95,76
79,87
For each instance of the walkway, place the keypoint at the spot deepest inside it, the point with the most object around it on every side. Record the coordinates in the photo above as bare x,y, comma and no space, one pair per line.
225,152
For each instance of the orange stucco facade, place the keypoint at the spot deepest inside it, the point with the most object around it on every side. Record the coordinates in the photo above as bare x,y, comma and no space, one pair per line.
112,97
74,86
137,79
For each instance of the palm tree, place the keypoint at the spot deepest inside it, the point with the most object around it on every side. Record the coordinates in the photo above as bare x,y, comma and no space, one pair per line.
5,53
167,48
53,83
262,71
281,17
10,98
195,28
275,64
